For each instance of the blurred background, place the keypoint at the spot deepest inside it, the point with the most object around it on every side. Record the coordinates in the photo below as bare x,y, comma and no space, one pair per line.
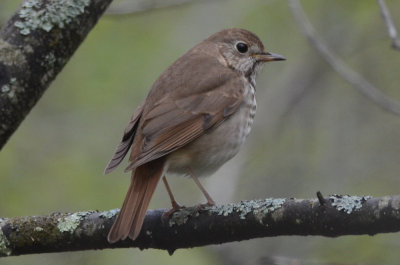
313,130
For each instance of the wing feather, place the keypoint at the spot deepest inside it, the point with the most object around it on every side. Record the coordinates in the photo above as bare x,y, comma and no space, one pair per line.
173,123
126,142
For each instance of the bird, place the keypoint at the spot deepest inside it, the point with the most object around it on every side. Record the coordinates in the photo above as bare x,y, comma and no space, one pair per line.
195,118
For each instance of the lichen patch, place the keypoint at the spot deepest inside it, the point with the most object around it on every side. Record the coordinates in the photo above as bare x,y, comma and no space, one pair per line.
38,229
396,204
49,60
258,207
10,88
384,202
110,213
346,203
45,15
70,222
4,243
182,216
11,56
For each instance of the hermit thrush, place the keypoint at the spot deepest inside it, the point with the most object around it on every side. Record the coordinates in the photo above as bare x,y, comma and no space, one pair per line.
194,119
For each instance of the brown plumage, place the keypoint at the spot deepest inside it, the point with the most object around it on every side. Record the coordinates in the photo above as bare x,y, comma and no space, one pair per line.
144,181
194,119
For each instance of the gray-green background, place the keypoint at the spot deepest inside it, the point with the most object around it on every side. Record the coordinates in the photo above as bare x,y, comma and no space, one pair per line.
313,131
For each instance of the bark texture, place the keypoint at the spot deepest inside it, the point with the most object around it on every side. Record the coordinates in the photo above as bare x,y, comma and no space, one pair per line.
332,216
35,44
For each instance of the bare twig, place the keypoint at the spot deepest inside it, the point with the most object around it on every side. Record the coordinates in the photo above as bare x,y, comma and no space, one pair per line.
130,7
391,28
186,228
351,76
321,199
282,260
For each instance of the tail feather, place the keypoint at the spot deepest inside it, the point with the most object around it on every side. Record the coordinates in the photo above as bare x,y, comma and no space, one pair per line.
123,221
144,204
133,211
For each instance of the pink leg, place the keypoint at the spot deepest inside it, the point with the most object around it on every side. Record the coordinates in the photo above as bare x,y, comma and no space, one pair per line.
210,201
175,205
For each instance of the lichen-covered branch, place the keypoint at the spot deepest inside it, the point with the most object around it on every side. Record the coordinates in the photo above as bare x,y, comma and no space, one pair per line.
332,216
35,44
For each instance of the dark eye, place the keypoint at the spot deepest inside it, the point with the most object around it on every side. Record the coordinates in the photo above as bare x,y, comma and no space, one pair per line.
242,47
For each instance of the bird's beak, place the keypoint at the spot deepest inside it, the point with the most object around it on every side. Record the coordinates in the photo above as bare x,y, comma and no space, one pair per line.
268,56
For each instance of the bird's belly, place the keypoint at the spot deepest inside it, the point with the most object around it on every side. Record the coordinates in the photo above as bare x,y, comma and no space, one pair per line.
209,152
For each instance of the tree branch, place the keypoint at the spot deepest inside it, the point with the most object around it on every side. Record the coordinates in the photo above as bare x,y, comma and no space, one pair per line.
351,76
336,216
35,44
132,7
391,28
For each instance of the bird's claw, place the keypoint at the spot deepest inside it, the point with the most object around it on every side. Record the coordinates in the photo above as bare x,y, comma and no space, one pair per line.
175,207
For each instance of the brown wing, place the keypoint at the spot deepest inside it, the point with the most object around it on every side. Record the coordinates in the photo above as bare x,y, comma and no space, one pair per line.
126,142
176,120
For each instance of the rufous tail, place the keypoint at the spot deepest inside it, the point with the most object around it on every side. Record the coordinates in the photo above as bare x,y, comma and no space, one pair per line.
130,219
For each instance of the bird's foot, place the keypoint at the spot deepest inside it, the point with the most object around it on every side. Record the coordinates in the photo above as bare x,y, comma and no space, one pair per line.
175,207
202,206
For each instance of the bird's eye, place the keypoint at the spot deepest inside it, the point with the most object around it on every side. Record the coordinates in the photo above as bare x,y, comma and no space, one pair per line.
242,47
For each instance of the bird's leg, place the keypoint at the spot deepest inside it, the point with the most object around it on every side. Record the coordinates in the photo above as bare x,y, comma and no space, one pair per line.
175,205
210,201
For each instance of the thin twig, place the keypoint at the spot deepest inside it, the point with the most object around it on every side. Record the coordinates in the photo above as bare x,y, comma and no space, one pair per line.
347,73
131,7
391,28
321,199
